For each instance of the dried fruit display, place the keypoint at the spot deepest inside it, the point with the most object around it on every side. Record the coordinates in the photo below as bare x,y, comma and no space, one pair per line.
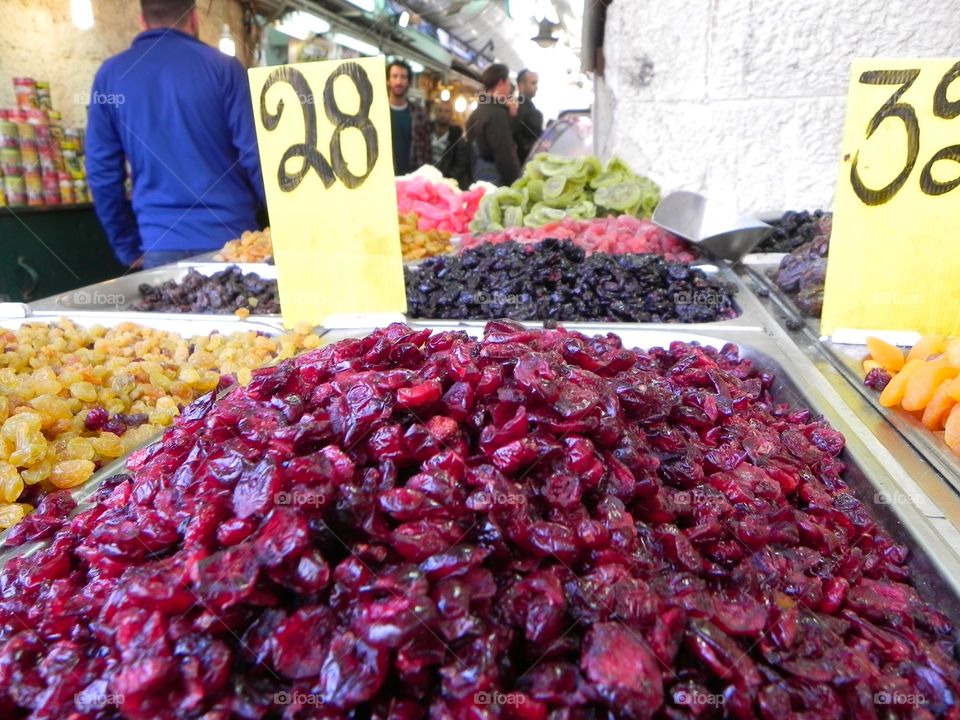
534,525
556,280
74,399
251,247
554,187
793,229
803,272
224,292
925,382
438,203
417,244
618,234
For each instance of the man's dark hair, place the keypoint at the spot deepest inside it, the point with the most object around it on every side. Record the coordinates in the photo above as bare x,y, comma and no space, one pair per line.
522,74
494,75
166,12
401,63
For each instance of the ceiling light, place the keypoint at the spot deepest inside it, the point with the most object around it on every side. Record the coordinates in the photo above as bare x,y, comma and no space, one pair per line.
228,45
473,105
301,25
355,44
544,37
81,13
460,104
445,95
415,66
404,19
367,5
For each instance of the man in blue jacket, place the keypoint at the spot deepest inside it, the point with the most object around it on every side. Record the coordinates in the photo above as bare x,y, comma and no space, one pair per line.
179,112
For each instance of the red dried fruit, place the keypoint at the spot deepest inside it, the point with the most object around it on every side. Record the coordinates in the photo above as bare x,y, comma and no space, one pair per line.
387,527
616,660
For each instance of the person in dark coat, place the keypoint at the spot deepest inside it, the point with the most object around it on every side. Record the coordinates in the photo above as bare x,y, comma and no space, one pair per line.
490,131
451,152
528,124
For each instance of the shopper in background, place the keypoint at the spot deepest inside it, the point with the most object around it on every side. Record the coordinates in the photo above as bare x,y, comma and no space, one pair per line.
490,131
411,126
451,152
528,123
180,113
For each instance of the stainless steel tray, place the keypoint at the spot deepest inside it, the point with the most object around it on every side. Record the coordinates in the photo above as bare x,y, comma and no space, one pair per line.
875,475
848,361
751,314
120,294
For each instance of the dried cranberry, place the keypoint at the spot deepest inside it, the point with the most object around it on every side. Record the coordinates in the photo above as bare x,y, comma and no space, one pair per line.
390,526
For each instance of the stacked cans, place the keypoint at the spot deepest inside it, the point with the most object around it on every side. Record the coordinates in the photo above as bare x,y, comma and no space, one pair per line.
41,163
11,162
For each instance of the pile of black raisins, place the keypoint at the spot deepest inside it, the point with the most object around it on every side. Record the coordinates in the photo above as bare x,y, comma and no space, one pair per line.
792,230
556,280
222,293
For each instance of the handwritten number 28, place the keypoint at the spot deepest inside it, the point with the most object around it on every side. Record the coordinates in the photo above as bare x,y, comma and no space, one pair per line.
335,168
942,108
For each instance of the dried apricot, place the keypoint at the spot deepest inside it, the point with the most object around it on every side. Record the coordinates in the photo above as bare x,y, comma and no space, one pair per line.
952,427
952,352
889,356
893,393
924,383
869,365
953,389
926,346
939,406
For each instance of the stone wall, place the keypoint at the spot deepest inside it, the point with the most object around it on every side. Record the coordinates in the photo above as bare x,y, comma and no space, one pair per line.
745,100
38,40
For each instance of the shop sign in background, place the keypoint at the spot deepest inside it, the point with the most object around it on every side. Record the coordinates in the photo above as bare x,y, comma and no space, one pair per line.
894,260
325,148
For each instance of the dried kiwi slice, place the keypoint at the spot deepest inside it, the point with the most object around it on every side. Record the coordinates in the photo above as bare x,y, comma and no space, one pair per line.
619,198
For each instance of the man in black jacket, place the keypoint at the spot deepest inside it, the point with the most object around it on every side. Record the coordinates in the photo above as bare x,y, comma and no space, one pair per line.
490,130
451,153
528,124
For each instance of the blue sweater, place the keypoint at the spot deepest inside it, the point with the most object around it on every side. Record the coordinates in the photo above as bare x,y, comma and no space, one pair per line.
179,111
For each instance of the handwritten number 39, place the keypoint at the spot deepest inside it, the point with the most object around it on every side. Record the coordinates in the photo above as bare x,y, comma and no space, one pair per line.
905,112
335,168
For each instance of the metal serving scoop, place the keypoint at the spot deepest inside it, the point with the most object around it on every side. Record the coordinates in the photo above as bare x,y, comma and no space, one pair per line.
722,232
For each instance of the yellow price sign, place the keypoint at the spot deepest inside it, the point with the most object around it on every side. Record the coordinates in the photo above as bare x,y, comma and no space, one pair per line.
328,172
894,260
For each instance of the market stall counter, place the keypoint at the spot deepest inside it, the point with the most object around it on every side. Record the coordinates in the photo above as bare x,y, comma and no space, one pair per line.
45,251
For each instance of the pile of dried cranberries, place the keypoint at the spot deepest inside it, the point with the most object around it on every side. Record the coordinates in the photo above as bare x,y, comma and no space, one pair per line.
536,525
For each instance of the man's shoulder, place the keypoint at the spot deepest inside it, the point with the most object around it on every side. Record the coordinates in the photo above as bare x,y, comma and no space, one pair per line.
140,55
